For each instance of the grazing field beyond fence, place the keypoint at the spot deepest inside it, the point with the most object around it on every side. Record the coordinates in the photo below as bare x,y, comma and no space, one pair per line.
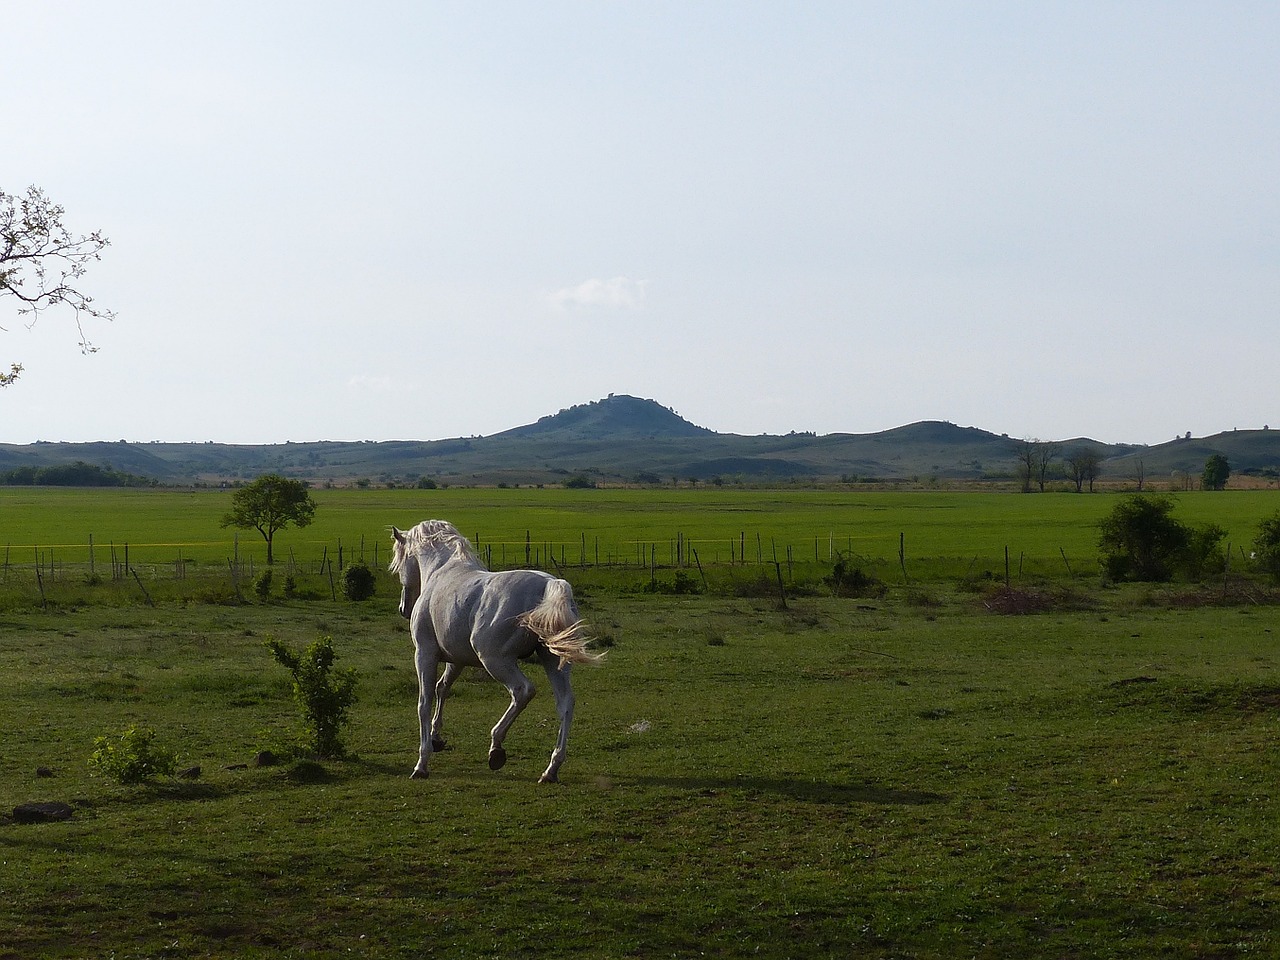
939,764
177,534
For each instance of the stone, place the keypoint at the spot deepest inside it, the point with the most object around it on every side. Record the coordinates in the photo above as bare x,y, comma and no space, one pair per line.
42,812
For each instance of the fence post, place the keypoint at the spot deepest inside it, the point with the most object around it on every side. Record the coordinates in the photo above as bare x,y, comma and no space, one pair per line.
44,604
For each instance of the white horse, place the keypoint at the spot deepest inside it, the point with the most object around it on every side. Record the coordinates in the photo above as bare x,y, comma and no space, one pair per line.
464,614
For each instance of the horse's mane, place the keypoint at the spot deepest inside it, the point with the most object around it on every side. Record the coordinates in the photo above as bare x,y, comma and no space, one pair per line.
434,534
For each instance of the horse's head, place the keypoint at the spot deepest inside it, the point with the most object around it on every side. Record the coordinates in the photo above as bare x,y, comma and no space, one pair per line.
404,561
420,552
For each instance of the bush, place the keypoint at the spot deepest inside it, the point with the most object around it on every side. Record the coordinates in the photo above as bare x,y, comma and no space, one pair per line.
358,582
682,585
1204,554
849,581
262,585
1141,541
322,693
132,757
1266,546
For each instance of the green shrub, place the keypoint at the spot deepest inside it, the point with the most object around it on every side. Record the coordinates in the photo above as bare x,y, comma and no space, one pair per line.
1142,541
358,582
132,757
1204,554
322,693
262,585
682,585
1266,546
847,580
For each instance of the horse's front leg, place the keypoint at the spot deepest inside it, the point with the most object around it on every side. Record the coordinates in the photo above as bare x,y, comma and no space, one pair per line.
424,662
445,684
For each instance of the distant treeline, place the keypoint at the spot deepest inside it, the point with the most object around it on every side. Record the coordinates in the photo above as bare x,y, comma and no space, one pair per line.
78,474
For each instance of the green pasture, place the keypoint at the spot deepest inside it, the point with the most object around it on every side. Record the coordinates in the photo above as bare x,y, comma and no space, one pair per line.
936,532
842,778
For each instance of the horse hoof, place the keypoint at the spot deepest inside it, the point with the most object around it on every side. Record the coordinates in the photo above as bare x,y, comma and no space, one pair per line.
418,775
497,758
438,745
552,778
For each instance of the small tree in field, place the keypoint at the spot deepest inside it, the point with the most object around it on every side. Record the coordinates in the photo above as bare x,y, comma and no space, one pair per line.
268,504
1216,472
323,694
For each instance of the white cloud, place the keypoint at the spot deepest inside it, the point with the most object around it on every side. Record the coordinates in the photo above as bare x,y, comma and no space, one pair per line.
379,383
618,293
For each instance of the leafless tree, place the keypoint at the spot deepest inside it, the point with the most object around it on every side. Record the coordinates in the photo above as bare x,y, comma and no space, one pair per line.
1034,458
1140,473
1083,466
41,263
1045,452
1027,462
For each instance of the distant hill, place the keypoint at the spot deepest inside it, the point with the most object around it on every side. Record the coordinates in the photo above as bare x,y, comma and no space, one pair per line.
610,418
623,439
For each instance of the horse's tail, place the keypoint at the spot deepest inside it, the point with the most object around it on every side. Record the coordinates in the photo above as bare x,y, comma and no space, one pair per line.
556,623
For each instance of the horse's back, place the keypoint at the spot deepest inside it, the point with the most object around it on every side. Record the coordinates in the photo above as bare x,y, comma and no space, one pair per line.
475,613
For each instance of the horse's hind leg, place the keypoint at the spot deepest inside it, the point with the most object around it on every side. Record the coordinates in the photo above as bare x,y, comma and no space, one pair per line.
443,686
508,673
559,677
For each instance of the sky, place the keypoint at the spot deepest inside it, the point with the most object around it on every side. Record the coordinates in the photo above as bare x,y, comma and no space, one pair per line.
421,220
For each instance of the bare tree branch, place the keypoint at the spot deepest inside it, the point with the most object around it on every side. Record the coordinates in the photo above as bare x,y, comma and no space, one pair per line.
41,263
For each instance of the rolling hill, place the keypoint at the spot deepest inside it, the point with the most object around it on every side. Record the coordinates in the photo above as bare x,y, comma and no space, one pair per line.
627,439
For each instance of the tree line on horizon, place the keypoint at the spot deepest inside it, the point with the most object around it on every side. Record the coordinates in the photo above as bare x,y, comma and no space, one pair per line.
78,474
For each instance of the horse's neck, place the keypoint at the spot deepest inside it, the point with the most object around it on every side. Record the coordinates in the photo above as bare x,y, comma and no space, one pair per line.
433,563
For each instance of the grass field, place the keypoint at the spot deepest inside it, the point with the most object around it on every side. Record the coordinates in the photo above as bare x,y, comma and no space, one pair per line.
839,779
944,531
906,774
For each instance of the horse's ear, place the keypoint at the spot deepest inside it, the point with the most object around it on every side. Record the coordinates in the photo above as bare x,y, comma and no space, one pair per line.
398,535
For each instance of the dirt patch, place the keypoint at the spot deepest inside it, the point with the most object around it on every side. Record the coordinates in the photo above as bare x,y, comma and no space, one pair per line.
1020,601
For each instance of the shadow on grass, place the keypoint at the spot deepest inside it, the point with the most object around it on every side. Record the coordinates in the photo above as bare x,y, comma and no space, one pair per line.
805,791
